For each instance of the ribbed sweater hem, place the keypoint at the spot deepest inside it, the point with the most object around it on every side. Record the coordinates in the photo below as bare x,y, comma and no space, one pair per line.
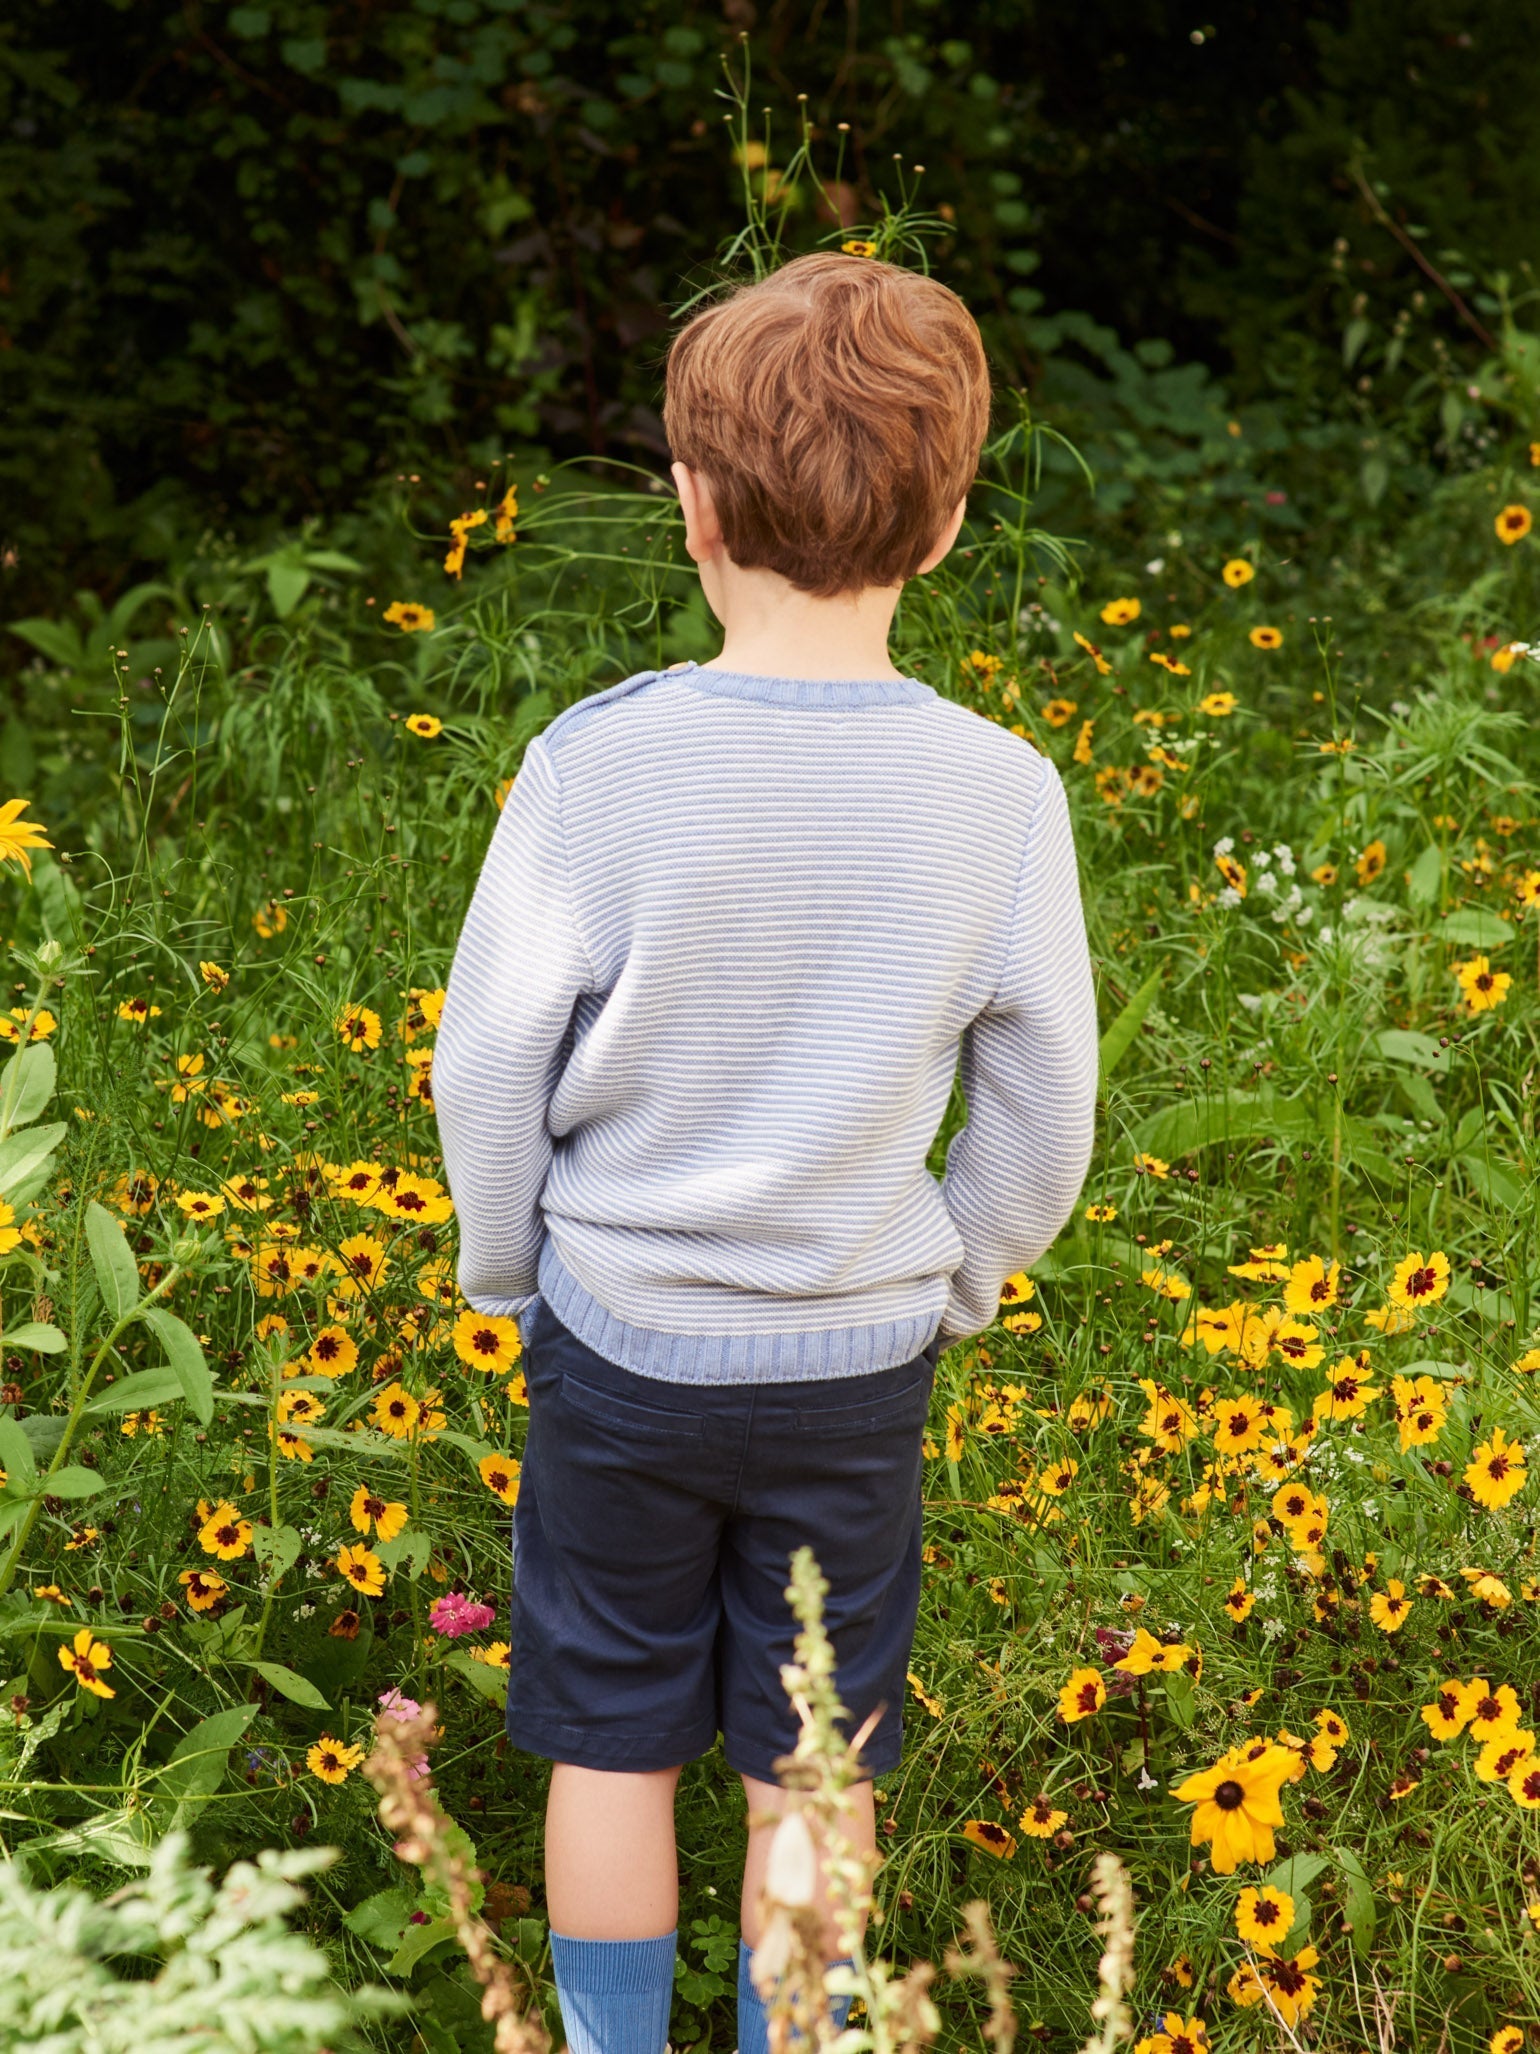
761,1358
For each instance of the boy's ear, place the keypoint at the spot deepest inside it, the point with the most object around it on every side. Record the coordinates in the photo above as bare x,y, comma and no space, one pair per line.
946,538
702,529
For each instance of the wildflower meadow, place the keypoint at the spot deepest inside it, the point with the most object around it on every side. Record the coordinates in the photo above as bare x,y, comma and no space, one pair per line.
1231,1564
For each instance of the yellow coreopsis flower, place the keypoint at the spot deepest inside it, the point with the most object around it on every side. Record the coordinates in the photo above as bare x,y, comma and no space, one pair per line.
1084,1694
1418,1282
85,1658
18,838
1236,1803
1481,987
331,1760
1496,1470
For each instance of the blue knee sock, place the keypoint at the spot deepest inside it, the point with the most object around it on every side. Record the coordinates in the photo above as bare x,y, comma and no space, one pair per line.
615,1994
753,2025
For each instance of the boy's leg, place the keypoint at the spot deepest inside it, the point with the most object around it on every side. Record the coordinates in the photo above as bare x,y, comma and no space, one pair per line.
770,1799
610,1866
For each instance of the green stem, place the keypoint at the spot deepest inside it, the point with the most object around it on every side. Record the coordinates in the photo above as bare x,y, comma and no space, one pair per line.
274,1390
13,1081
13,1559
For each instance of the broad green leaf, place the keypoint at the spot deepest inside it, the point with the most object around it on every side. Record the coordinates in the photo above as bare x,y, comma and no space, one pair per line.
16,1457
276,1547
410,1546
1405,1045
1473,927
142,1391
44,1430
197,1765
188,1364
74,1483
286,583
59,641
26,1153
1425,876
1295,1875
13,1510
1118,1039
1358,1904
38,1335
492,1683
125,1838
1181,1699
382,1918
117,1274
1433,1366
1236,1116
1495,1182
418,1941
1420,1096
31,1073
296,1688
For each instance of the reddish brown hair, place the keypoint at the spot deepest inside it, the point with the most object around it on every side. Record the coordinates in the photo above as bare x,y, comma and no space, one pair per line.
837,410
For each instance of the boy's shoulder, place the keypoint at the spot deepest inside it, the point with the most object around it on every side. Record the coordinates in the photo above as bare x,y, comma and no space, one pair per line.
573,719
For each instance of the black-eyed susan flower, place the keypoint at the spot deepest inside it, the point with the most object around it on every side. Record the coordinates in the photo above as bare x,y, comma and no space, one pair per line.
52,1593
497,1654
1233,872
269,920
1239,1600
409,617
331,1760
396,1412
363,1569
1481,987
1177,2035
204,1589
1218,705
1508,2039
1496,1472
1402,1786
1265,638
500,1474
1150,1166
1083,1694
1511,525
1488,1589
487,1341
1060,712
200,1205
1448,1711
1236,1803
1237,572
423,1200
214,976
359,1028
1117,613
224,1532
85,1658
992,1838
1418,1281
18,838
1101,1214
362,1262
1265,1917
1370,862
371,1514
147,1422
1103,667
333,1352
1286,1986
856,247
424,725
1042,1818
1312,1285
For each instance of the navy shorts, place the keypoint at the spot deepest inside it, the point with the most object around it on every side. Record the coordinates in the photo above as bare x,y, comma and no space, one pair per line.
653,1535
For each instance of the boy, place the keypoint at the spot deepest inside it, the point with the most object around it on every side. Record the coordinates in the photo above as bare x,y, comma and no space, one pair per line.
735,924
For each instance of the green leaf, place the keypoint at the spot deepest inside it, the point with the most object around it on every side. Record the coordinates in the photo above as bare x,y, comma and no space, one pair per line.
286,583
492,1683
418,1941
296,1688
44,1430
124,1838
117,1274
1181,1699
1295,1875
36,1334
1425,877
382,1918
1354,336
1406,1045
197,1765
1473,927
1495,1182
32,1073
411,1545
74,1483
25,1154
16,1453
13,1510
1118,1039
276,1548
138,1393
1181,1129
187,1361
1358,1904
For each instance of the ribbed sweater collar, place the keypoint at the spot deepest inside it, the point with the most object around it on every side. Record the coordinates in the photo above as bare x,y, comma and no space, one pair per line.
811,692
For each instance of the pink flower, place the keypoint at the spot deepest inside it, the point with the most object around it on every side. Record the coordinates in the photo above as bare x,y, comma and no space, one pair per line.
457,1614
398,1706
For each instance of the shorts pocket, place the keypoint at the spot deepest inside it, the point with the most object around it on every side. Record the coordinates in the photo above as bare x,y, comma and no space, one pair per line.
645,1422
896,1411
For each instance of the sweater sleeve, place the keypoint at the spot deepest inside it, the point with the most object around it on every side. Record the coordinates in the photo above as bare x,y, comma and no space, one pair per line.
503,1039
1029,1071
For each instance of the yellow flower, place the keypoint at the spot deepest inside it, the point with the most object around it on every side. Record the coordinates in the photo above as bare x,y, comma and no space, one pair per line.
52,1592
1493,1713
359,1028
1239,1601
1264,1917
1103,667
409,617
1417,1283
1117,613
1177,2035
857,248
426,725
1524,1785
138,1010
1059,712
85,1658
495,1654
363,1262
500,1474
18,838
1084,1694
506,512
1312,1287
200,1205
1236,1802
204,1589
224,1532
365,1571
1233,873
487,1341
331,1760
1218,705
1500,1756
396,1411
1238,572
1390,1608
1266,638
268,920
1082,749
1512,525
1099,1215
1391,1319
995,1840
1151,1656
213,976
1150,1166
1481,986
1496,1471
1449,1712
1041,1820
384,1516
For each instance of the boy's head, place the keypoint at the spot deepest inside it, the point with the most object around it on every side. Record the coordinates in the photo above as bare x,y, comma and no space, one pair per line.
836,410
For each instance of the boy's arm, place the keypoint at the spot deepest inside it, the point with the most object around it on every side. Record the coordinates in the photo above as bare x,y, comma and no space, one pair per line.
518,969
1029,1069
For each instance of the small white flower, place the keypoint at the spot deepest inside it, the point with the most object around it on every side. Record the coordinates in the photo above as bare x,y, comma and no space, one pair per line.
1267,882
1326,934
1228,897
1400,708
1285,857
1223,846
1304,916
1146,1780
1261,860
1249,1000
1155,566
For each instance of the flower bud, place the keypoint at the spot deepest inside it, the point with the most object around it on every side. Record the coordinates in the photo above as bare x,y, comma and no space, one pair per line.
791,1874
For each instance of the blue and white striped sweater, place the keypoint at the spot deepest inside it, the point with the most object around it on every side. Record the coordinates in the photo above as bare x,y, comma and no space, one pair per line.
703,1020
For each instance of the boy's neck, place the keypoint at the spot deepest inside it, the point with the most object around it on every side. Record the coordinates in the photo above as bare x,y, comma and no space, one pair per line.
770,629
